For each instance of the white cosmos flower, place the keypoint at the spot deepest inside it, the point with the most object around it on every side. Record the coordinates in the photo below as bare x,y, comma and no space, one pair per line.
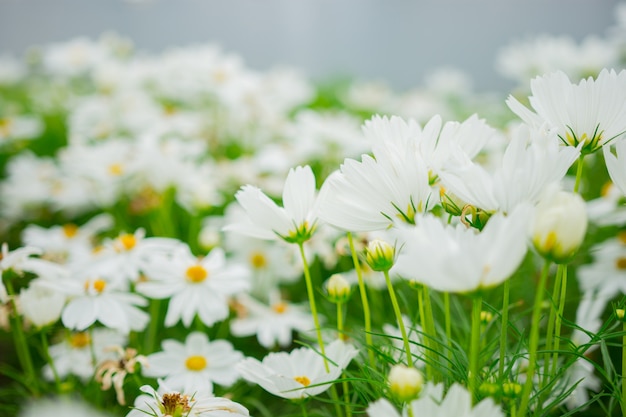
616,165
295,222
592,112
60,406
195,365
41,305
166,403
457,402
300,373
530,164
194,286
74,354
272,324
459,259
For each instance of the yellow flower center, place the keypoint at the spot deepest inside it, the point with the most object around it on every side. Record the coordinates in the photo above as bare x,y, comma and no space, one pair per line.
128,241
80,340
303,380
70,230
116,169
5,127
196,273
280,307
606,189
97,284
196,363
258,260
621,236
620,263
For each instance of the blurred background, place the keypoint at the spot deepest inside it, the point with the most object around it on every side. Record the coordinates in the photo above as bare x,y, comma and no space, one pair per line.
399,42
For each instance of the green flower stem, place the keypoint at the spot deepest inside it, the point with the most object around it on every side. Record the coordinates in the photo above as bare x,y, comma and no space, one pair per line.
474,351
21,345
396,309
579,172
46,351
559,317
624,370
153,328
504,328
448,322
304,412
340,331
309,289
364,301
551,322
534,341
425,340
430,331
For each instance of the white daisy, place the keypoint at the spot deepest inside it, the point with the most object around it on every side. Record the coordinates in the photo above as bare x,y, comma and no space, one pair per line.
194,366
166,402
592,112
458,259
194,286
295,222
272,324
300,373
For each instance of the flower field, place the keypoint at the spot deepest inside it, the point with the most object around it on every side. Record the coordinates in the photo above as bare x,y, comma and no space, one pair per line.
183,235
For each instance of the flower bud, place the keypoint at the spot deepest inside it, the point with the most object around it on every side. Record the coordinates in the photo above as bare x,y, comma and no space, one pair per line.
405,383
338,288
559,226
380,255
619,312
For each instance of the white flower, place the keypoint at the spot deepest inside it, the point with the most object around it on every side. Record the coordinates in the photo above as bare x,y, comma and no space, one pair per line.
166,403
60,406
73,354
530,164
300,373
41,305
559,225
272,324
592,113
458,259
195,365
295,222
606,276
194,286
616,165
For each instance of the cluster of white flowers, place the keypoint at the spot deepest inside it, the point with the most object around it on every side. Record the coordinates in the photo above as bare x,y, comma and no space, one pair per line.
168,216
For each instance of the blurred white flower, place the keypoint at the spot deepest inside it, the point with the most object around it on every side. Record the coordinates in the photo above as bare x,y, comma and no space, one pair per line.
41,305
194,366
616,164
60,406
300,373
194,286
459,259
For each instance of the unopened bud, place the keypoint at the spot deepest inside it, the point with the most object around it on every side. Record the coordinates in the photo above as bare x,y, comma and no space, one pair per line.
405,383
338,288
380,255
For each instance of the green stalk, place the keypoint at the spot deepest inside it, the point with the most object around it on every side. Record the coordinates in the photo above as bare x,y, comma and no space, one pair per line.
366,306
477,304
309,289
534,341
504,329
624,370
579,172
396,309
21,345
425,340
448,322
559,318
46,352
346,394
551,321
430,330
304,412
153,328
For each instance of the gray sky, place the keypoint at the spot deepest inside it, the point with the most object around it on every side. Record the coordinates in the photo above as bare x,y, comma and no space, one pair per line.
393,40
